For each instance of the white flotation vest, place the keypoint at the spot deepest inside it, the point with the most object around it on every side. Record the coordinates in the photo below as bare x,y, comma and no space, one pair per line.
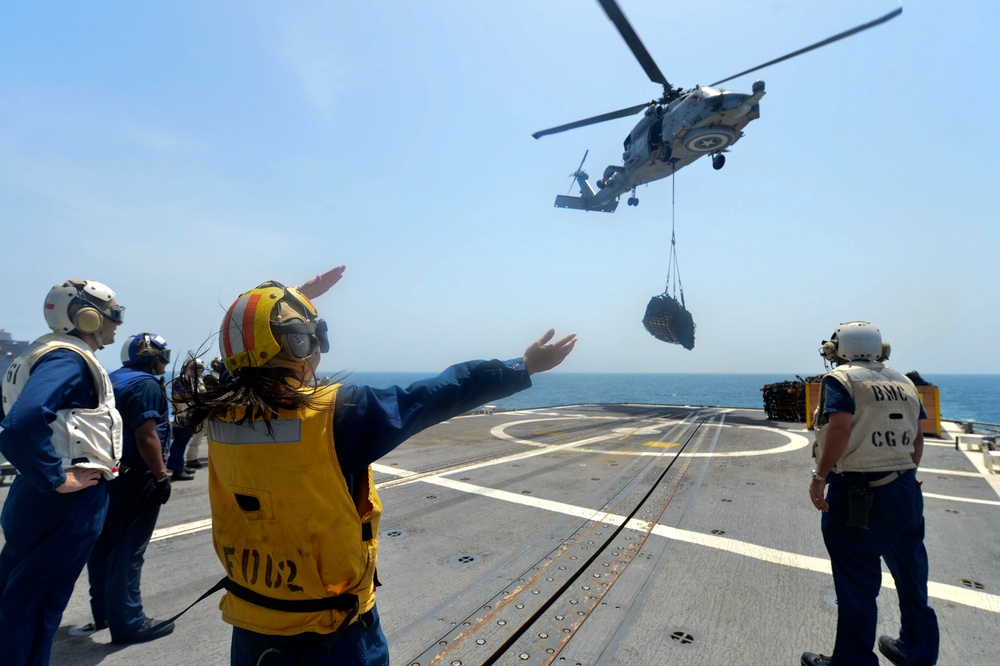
885,422
90,438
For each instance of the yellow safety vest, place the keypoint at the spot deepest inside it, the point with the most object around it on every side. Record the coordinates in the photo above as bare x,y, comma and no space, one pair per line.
284,523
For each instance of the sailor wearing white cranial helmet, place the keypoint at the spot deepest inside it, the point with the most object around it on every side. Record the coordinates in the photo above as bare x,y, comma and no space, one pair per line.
868,445
63,434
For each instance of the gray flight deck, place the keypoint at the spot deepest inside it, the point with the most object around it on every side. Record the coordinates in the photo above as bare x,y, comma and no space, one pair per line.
598,534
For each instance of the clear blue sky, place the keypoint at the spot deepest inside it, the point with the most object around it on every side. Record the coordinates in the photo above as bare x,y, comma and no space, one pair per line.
184,151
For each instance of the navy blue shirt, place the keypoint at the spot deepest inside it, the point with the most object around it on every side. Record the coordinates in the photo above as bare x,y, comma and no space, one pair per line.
139,396
371,422
60,379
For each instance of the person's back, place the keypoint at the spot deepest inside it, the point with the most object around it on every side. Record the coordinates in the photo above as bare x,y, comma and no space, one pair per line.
63,434
115,565
869,445
295,511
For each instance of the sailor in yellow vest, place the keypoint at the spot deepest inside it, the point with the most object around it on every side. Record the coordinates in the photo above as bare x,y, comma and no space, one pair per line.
869,444
295,514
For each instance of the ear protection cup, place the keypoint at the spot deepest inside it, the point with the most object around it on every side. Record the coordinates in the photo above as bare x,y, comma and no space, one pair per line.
88,320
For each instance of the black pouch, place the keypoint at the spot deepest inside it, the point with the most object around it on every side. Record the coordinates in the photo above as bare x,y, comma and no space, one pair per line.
859,501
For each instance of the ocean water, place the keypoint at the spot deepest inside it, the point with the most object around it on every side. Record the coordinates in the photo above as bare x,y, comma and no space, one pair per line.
963,397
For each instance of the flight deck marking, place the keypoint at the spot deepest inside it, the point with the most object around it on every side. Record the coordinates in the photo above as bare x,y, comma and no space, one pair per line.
963,499
796,441
975,599
662,445
952,593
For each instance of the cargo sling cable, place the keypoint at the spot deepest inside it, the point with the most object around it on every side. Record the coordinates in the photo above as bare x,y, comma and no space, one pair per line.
667,318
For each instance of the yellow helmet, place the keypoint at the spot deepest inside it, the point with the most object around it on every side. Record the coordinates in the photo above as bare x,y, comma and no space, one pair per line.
266,321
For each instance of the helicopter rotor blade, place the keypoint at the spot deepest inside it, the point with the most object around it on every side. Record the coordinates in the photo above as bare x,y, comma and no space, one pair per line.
830,40
577,172
614,13
621,113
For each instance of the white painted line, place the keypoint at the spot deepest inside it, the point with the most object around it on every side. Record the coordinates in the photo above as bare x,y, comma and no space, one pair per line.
951,593
181,530
969,500
947,472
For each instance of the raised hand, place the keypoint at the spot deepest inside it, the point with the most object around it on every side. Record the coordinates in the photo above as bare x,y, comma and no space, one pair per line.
541,356
321,283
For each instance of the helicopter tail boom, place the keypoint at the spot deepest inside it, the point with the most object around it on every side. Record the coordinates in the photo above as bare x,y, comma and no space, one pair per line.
585,203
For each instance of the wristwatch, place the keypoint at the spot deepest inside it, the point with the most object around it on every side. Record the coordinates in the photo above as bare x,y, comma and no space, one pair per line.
817,477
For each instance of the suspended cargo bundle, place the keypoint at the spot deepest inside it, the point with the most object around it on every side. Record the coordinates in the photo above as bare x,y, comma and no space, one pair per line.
666,319
666,316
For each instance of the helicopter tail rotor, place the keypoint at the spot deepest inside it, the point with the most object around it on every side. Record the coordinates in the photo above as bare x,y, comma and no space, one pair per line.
579,172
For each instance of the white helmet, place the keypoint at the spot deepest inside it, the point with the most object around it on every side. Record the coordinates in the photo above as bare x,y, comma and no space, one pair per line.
854,341
77,305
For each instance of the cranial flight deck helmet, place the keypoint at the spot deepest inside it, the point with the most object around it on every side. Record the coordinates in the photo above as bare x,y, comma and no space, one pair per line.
142,350
855,341
81,305
269,321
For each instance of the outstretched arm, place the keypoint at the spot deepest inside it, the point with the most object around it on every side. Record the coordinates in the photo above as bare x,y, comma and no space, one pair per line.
319,285
540,356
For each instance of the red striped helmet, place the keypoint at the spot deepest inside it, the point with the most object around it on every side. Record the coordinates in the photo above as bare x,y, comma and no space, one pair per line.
255,326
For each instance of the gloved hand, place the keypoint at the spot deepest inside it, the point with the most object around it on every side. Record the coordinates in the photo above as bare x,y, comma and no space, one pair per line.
161,491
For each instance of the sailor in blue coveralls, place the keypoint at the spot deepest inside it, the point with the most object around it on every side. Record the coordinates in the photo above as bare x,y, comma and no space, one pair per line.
55,509
115,566
869,443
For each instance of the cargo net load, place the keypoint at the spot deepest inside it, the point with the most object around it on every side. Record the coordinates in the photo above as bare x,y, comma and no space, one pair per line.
666,319
786,401
666,316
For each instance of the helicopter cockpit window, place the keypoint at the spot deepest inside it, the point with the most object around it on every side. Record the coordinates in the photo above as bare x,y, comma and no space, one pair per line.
628,141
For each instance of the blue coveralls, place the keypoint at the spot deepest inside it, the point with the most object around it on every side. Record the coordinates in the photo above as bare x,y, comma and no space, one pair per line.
368,423
115,566
49,535
896,534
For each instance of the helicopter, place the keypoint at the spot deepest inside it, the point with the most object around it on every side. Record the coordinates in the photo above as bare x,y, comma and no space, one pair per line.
677,128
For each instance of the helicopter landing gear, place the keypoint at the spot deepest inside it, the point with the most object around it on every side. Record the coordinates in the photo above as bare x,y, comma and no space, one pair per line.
633,200
665,153
718,161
